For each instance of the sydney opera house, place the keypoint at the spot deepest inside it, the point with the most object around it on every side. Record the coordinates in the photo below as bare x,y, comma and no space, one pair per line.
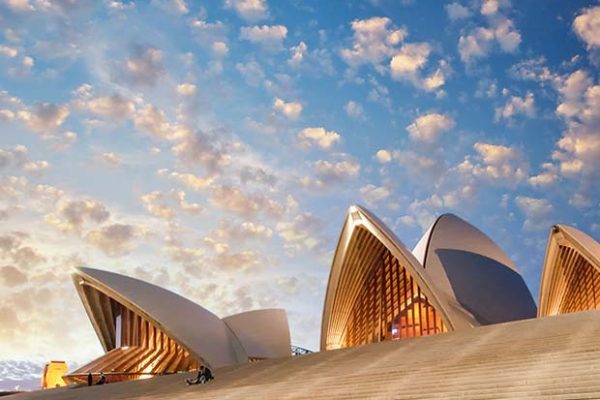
455,279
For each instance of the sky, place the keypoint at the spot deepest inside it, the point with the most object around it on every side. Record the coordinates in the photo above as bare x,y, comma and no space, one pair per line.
214,147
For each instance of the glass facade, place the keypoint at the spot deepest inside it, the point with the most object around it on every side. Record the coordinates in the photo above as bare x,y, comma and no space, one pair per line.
578,280
390,306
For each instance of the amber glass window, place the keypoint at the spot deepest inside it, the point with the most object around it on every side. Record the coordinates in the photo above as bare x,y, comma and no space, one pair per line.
579,281
390,306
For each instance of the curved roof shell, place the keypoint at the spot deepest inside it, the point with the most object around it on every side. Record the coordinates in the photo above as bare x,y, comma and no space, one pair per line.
263,333
351,263
196,329
473,272
556,266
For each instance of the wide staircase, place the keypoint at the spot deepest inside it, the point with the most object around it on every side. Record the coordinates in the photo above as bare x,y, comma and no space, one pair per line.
548,358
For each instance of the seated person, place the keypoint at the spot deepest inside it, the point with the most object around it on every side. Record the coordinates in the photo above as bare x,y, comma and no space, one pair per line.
204,375
102,380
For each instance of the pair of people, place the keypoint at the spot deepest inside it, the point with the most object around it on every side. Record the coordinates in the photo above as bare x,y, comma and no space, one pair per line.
90,379
204,375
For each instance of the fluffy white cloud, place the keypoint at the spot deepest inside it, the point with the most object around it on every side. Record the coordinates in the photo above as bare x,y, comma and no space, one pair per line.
186,89
111,159
114,106
537,212
375,39
374,194
143,67
73,215
291,109
502,165
44,117
517,105
300,233
318,136
457,11
428,128
250,10
233,199
178,7
383,156
332,172
298,53
114,240
267,37
9,52
479,42
578,150
547,177
153,120
587,26
475,45
409,60
189,180
354,109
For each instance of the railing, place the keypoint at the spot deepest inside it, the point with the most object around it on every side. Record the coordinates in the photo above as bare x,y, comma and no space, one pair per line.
299,351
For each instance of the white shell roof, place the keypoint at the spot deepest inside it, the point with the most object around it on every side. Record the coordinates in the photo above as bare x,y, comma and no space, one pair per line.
472,271
263,333
198,330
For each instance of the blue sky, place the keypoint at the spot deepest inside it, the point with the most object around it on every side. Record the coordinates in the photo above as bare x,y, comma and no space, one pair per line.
213,148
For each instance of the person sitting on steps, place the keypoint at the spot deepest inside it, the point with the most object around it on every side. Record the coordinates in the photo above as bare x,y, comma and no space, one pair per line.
204,375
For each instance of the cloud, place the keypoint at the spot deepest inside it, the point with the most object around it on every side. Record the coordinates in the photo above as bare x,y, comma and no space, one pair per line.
334,172
383,156
354,109
153,120
232,199
44,117
202,149
36,167
143,67
19,6
114,106
189,180
9,52
517,105
269,38
428,128
249,10
318,136
502,165
587,26
300,233
456,11
220,48
243,232
479,42
374,194
252,73
154,203
475,45
240,261
291,110
409,60
537,212
177,7
13,248
186,89
110,159
114,240
298,53
547,177
578,150
72,215
375,40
